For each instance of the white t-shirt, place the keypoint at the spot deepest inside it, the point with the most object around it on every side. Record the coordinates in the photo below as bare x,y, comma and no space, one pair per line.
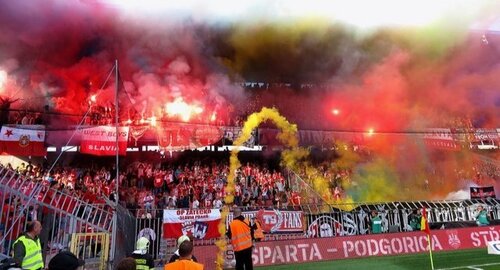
149,199
280,186
217,204
196,204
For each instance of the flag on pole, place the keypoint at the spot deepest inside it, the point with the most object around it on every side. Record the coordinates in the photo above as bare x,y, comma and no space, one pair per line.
424,226
424,222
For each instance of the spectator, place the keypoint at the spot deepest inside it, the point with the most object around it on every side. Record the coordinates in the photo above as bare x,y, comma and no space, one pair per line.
25,120
414,220
195,204
161,200
148,201
217,203
375,223
482,217
176,255
171,203
65,260
185,261
246,199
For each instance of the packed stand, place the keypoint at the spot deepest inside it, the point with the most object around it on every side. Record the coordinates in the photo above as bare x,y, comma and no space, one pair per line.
90,185
26,118
148,187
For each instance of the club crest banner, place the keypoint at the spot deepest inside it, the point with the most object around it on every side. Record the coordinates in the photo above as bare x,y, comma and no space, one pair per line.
198,223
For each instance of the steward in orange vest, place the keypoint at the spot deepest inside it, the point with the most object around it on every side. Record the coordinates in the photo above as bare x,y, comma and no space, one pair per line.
184,262
241,234
259,232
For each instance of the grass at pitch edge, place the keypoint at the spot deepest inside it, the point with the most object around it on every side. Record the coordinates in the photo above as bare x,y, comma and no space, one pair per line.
477,259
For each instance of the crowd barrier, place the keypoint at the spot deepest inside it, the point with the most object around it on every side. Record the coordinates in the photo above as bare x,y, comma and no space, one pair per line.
394,215
298,225
357,246
63,216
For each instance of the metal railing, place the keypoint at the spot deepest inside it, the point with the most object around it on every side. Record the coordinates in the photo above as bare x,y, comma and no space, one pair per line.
395,217
92,247
61,214
98,216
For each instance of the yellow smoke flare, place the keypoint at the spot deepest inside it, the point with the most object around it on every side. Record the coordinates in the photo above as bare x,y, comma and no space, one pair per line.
288,136
293,158
296,160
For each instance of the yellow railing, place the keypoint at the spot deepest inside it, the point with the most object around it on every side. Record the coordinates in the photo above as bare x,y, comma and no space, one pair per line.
92,247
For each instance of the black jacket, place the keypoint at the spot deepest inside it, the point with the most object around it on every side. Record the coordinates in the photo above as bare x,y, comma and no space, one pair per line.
143,259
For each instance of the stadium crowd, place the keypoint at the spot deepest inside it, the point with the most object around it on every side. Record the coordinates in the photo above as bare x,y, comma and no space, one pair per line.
149,186
200,186
146,186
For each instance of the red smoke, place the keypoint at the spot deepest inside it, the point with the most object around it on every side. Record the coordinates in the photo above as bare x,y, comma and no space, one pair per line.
59,53
66,49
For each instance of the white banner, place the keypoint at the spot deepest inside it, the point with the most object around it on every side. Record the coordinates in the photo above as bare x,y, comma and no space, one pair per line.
182,215
198,223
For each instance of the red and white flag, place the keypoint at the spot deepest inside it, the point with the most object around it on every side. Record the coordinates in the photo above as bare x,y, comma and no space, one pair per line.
23,142
198,223
101,141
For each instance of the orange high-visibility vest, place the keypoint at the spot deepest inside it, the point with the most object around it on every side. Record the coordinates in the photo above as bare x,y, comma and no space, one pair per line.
259,233
240,235
184,265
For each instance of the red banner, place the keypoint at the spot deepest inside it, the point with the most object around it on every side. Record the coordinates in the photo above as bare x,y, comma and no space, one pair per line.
175,136
101,141
23,141
324,249
276,221
199,223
